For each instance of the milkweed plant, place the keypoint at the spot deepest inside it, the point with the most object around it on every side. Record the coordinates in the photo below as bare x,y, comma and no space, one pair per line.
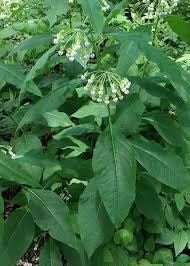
95,133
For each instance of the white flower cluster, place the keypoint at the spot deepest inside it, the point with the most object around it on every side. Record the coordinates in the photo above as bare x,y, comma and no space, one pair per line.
75,45
159,8
105,6
106,86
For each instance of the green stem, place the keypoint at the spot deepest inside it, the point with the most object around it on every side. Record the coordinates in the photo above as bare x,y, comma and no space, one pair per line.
153,43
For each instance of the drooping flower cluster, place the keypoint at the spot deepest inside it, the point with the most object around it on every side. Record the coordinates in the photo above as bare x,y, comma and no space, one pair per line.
105,6
153,9
75,45
106,86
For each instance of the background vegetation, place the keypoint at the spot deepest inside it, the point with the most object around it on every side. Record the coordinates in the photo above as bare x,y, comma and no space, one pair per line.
95,132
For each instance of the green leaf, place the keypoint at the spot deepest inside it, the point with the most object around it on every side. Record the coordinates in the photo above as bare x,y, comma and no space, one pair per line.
51,214
166,237
77,131
128,54
180,27
174,72
13,74
39,65
26,143
11,170
79,147
50,254
55,8
129,114
93,10
120,256
48,103
18,235
115,170
180,242
94,223
180,201
166,127
58,119
148,201
33,42
94,109
166,167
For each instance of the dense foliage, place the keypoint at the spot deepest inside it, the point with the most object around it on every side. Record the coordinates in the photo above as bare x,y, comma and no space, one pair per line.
95,132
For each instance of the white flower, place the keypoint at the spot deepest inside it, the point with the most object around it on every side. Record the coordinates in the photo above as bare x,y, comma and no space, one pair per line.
86,56
115,99
71,58
90,81
55,41
121,97
93,92
87,43
71,1
60,52
85,88
92,55
99,100
82,77
73,53
114,90
107,102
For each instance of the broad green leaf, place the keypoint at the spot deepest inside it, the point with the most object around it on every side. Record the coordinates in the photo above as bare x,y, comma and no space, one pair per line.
39,64
180,27
120,256
76,258
26,143
78,168
78,148
166,237
115,170
180,242
180,201
58,119
94,223
128,54
38,158
77,131
34,42
18,234
48,103
55,8
148,201
7,32
13,74
93,109
166,127
174,72
93,10
166,167
50,254
129,114
11,170
51,214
